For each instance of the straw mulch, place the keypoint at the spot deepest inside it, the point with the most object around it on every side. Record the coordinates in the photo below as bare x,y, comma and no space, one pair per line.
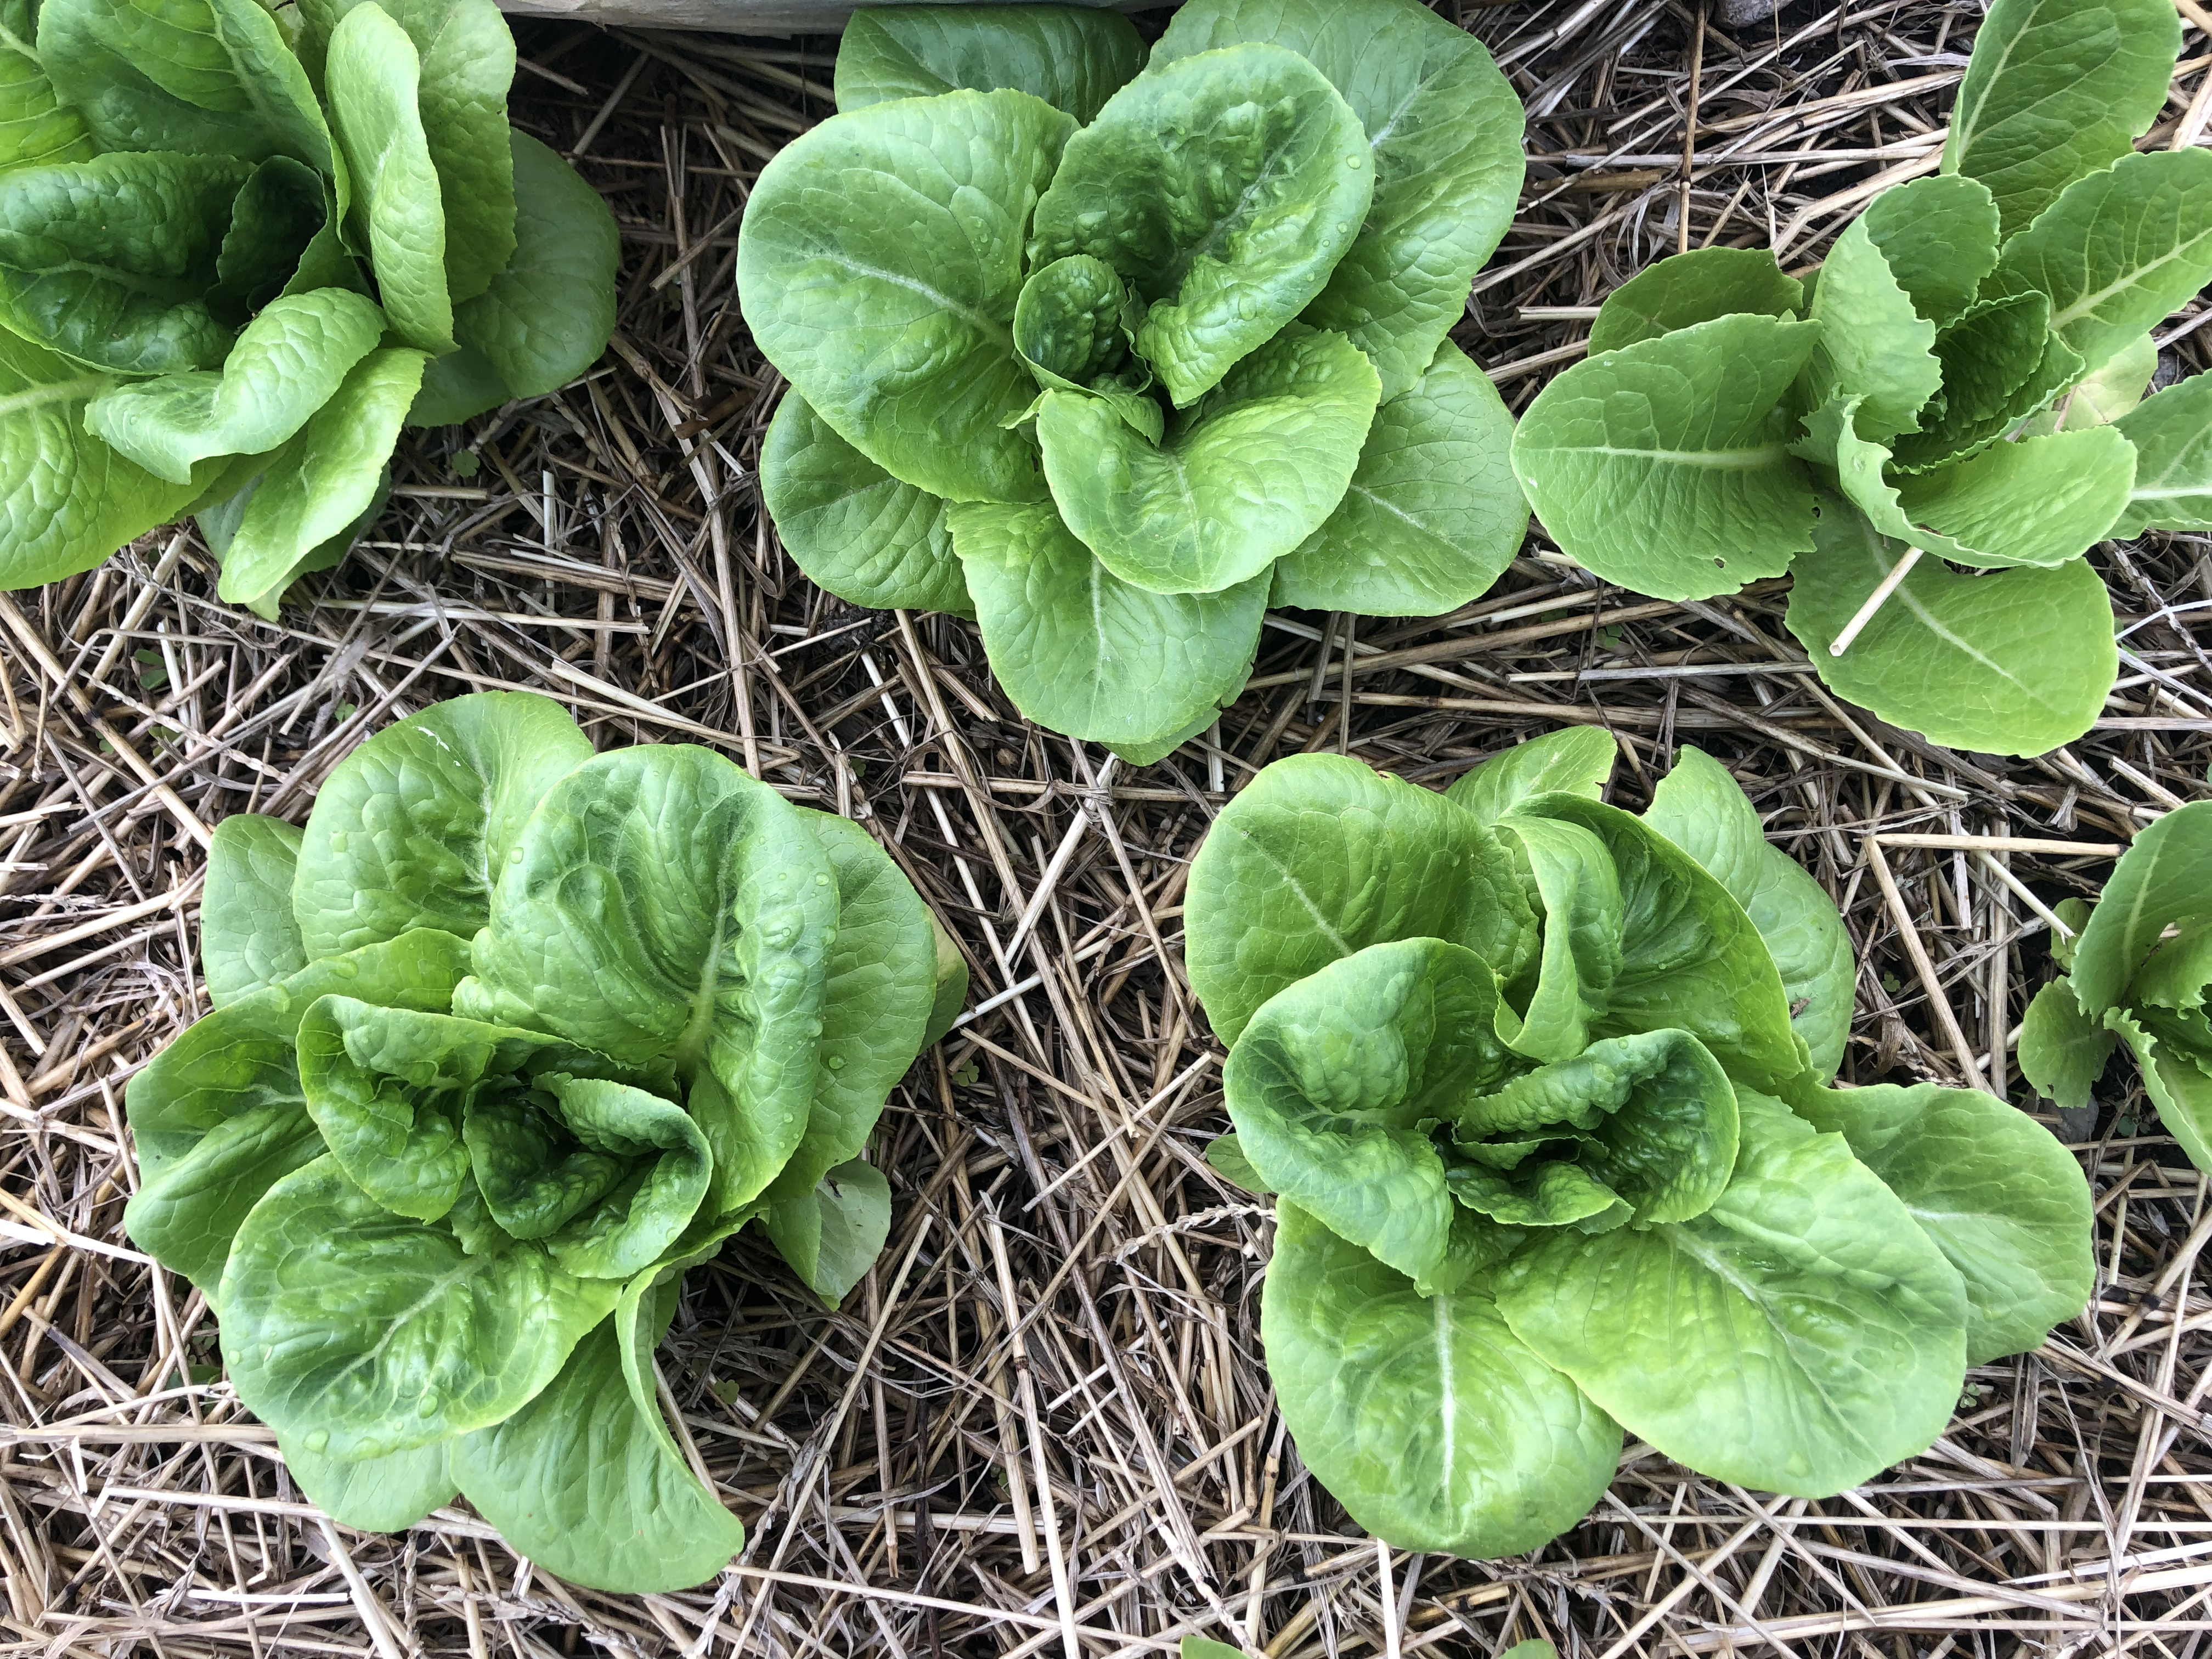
1044,1426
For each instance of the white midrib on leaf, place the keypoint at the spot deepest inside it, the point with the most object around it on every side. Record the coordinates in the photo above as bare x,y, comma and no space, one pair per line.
1397,512
1320,921
2136,953
1906,597
1448,1389
998,333
467,1268
1277,160
1714,460
2165,487
1963,131
691,1042
1382,137
1094,581
1171,456
2088,304
252,79
1711,1261
33,398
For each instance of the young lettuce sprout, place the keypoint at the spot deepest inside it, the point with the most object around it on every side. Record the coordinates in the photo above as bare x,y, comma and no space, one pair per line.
2138,971
1542,1092
506,1038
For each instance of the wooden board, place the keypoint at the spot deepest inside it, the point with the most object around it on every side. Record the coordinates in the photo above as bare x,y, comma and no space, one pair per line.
727,17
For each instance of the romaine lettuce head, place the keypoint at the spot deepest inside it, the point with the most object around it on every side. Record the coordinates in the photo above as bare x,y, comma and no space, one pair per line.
506,1037
1941,419
197,202
1102,349
1540,1089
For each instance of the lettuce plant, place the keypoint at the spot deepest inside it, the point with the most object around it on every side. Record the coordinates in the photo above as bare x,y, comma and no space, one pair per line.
240,248
2137,972
506,1038
1943,420
1109,351
1542,1091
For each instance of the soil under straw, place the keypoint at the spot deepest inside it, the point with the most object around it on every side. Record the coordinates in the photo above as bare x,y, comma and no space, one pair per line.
1067,1286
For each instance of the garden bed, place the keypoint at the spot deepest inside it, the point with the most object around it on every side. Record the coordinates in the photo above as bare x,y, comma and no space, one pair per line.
1043,1426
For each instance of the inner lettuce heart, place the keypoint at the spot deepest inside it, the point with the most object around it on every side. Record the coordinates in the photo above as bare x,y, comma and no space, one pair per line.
1542,1091
504,1039
1107,346
1224,187
1233,484
1958,385
239,255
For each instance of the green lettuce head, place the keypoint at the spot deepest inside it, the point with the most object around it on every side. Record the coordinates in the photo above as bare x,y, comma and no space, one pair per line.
1540,1088
1109,352
2139,969
506,1038
240,248
1938,424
